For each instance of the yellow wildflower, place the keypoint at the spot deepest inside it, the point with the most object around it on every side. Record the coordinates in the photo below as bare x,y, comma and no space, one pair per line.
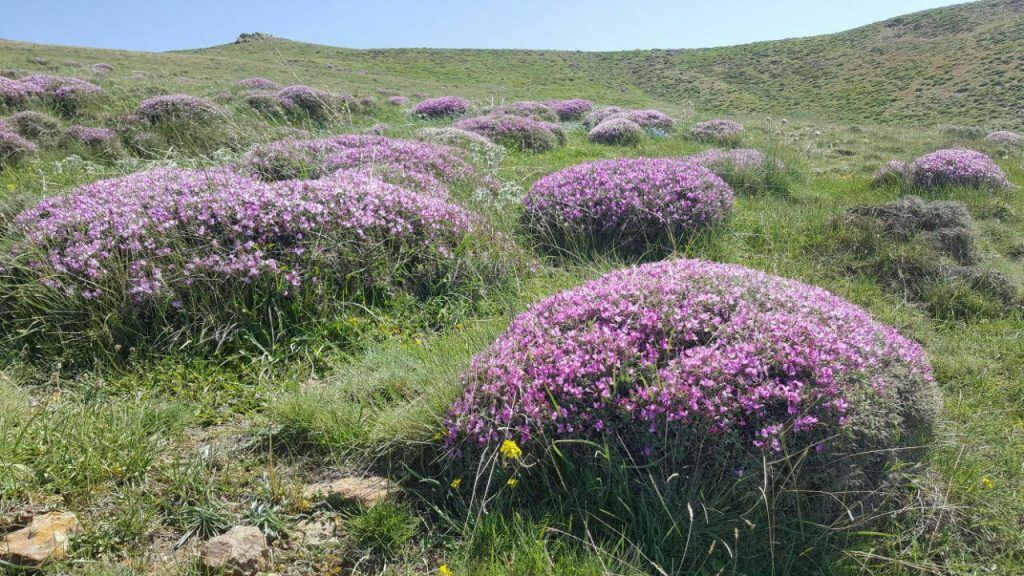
987,483
456,483
509,449
512,482
444,570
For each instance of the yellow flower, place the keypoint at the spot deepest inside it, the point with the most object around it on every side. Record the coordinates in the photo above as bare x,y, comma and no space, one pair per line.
456,483
987,483
444,570
509,449
438,436
512,482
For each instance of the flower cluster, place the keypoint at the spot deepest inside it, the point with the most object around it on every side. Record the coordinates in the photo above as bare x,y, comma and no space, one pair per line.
257,84
168,229
13,148
398,100
443,107
956,167
573,109
71,97
1005,137
66,92
617,130
534,110
635,202
650,119
718,131
95,138
14,92
517,132
177,109
691,349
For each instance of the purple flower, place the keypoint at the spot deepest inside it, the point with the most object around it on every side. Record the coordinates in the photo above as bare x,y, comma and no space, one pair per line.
178,108
96,138
257,83
595,117
573,109
398,100
650,119
956,167
443,107
617,130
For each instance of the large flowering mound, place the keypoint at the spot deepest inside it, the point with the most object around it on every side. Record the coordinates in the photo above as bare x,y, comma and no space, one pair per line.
518,132
310,159
14,148
956,167
650,119
573,109
617,131
443,107
535,110
178,109
718,131
676,355
174,244
629,203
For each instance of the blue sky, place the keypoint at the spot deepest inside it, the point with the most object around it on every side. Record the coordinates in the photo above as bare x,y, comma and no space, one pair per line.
562,24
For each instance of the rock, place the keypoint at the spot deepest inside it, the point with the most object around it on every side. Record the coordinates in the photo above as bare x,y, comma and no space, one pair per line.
317,532
363,491
45,538
241,551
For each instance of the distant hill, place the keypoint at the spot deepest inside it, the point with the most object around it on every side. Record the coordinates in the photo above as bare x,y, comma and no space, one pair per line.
961,64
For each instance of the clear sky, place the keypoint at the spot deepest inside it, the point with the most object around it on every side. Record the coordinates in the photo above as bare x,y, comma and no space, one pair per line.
562,24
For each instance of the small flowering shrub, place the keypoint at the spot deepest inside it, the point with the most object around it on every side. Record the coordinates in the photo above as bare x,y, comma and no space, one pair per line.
95,139
617,131
102,68
311,102
956,167
1005,137
35,126
72,97
569,110
719,131
517,132
598,115
443,107
398,100
171,255
747,170
632,204
14,148
649,119
178,109
257,84
67,93
893,173
14,93
534,110
692,360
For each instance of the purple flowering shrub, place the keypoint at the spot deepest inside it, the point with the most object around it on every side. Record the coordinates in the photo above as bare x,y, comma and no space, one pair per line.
94,139
443,107
747,170
257,84
14,93
67,93
617,131
649,119
177,109
14,148
573,109
73,97
718,131
631,204
666,358
535,110
956,167
398,100
598,115
174,254
516,132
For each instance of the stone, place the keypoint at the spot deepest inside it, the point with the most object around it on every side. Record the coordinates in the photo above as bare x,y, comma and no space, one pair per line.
241,551
364,491
45,538
317,532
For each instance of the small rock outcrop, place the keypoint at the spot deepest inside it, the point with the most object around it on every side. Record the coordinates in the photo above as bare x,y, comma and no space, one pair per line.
45,538
241,551
364,491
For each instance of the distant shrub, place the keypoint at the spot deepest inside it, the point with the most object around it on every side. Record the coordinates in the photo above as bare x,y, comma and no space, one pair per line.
311,102
66,93
893,173
956,167
617,131
72,97
747,170
264,103
574,109
257,84
178,109
631,204
1005,137
36,126
207,259
649,119
95,139
718,131
14,148
598,115
517,132
443,107
705,365
102,68
398,100
534,110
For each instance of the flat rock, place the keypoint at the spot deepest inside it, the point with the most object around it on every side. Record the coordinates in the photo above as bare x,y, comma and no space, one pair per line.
317,532
241,551
45,538
365,491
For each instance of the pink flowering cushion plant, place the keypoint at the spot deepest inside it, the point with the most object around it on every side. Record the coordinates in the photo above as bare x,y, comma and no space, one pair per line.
696,359
516,132
443,107
718,131
956,167
598,115
257,84
170,253
630,204
573,109
178,109
649,119
617,131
